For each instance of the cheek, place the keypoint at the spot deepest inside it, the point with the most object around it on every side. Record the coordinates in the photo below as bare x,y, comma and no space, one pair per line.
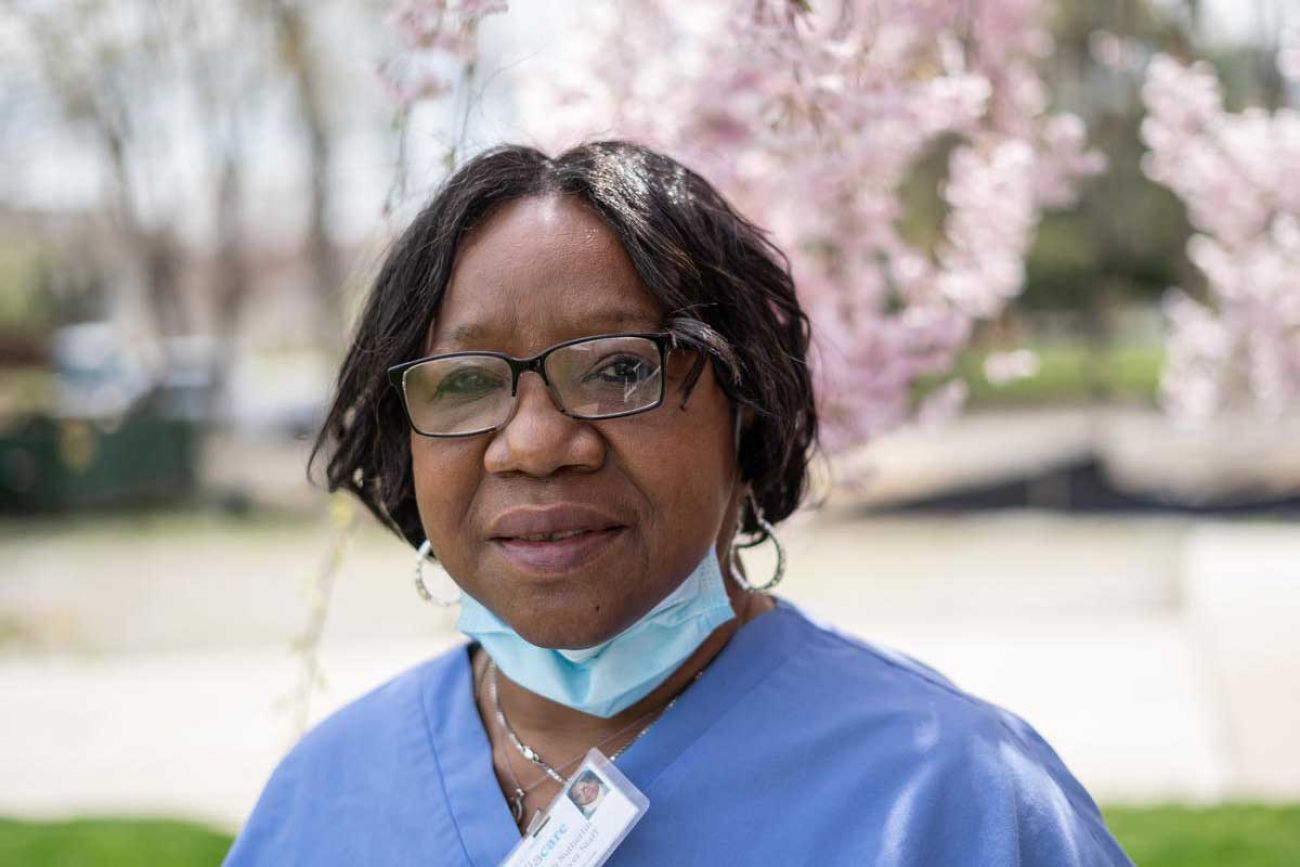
685,466
445,477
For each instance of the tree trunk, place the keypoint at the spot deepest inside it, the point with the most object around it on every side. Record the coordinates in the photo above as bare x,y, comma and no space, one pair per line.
292,36
154,253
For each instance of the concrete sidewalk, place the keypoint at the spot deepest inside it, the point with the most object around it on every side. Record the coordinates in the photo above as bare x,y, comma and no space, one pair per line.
147,668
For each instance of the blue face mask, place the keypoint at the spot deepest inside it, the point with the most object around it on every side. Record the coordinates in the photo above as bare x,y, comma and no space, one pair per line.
616,674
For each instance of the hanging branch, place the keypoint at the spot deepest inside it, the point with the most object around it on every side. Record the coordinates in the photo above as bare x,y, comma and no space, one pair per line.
1238,348
343,516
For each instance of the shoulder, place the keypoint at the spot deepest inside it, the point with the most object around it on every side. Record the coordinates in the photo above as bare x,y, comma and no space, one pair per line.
382,720
878,681
350,773
963,765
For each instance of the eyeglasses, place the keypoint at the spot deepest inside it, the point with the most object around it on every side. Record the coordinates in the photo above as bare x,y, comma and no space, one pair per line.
466,393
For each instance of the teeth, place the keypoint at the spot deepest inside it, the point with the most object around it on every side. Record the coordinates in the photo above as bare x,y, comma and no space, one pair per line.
553,537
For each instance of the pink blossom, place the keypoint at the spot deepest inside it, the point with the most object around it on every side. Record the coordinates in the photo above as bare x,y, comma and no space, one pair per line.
482,8
1239,176
812,121
436,39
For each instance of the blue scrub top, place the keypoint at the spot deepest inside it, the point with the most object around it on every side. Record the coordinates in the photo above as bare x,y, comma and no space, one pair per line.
797,746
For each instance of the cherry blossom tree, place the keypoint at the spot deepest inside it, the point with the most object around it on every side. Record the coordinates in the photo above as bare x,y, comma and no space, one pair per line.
813,118
437,50
1237,347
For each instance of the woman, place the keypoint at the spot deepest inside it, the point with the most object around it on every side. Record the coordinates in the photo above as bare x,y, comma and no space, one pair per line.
578,385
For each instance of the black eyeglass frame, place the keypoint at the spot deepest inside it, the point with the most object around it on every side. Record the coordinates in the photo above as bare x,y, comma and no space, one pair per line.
664,341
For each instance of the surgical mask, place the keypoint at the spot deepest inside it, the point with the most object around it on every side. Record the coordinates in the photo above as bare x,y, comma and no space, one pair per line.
619,672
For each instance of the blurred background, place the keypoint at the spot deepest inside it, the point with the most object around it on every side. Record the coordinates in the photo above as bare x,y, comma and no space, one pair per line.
193,198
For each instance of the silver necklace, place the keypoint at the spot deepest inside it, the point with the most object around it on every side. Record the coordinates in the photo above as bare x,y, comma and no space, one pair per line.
517,798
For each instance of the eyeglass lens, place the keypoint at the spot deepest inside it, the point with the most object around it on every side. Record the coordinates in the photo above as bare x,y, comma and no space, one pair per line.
598,378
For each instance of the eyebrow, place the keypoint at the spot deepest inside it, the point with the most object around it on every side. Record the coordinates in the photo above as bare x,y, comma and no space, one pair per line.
459,335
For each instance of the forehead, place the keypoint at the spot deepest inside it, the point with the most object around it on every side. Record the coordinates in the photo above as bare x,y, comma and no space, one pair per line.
539,271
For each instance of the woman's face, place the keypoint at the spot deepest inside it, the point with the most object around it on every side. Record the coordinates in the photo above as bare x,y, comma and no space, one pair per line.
652,492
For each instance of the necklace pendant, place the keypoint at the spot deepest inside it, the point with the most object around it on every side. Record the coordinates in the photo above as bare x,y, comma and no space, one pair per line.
517,805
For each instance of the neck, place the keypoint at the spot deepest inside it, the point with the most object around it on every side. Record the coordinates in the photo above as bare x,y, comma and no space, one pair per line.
568,730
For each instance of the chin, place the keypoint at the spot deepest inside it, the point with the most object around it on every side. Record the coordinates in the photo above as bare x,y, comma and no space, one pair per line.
565,632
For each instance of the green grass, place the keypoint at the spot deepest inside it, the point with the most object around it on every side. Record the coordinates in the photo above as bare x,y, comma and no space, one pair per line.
110,843
1070,373
1235,835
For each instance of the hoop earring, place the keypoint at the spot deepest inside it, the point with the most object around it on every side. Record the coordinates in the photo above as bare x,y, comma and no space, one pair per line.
423,554
767,532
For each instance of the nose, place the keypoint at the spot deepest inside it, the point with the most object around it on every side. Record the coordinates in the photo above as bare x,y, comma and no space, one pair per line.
538,439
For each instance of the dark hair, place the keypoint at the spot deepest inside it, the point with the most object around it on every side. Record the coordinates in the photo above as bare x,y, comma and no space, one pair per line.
725,289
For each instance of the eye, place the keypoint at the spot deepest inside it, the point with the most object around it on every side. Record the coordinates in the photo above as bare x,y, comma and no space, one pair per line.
625,370
467,383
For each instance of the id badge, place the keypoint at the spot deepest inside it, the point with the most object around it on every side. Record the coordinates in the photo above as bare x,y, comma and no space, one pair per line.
585,823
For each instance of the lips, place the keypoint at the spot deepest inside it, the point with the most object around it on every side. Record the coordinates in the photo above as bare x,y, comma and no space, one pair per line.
552,537
545,524
555,539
